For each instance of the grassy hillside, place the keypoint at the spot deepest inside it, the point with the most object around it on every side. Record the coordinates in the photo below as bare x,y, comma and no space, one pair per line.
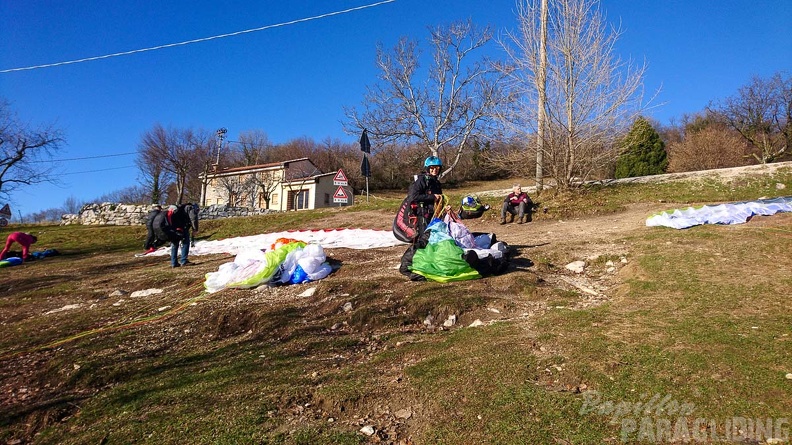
666,335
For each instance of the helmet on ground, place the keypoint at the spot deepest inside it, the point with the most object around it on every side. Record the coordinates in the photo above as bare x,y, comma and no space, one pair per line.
433,161
468,201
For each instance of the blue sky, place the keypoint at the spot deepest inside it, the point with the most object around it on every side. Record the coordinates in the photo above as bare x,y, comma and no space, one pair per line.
293,81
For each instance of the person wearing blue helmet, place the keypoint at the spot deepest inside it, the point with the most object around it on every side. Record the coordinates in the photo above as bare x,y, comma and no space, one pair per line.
418,207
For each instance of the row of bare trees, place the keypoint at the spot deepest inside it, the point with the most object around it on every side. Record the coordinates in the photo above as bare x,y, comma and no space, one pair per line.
560,102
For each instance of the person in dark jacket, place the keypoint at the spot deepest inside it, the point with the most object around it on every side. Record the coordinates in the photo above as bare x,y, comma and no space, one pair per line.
181,219
426,192
422,197
417,209
152,242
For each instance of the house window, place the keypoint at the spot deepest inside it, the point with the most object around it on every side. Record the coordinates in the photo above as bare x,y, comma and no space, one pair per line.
327,198
274,199
297,200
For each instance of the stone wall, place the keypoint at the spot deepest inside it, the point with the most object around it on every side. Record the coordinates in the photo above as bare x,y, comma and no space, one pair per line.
116,214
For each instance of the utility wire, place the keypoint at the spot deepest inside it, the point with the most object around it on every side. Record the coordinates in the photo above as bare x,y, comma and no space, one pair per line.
95,171
203,39
88,157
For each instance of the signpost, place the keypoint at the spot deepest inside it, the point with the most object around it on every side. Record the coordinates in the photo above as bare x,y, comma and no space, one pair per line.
340,196
340,178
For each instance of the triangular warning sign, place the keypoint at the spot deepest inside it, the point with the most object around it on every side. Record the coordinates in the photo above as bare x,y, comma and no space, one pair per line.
340,193
5,211
340,176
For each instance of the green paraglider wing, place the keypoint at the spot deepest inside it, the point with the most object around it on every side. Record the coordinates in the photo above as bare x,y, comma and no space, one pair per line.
443,262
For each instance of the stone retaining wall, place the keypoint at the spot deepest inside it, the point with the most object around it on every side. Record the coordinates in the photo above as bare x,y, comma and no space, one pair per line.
116,214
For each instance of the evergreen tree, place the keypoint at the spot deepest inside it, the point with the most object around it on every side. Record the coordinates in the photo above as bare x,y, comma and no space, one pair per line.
642,152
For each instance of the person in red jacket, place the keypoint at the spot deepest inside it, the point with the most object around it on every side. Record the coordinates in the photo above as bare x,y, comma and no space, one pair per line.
23,239
517,202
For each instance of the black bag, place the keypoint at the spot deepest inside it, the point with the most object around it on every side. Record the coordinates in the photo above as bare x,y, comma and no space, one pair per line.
164,231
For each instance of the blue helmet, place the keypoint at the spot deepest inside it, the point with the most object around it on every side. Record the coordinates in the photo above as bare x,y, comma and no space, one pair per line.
468,201
432,161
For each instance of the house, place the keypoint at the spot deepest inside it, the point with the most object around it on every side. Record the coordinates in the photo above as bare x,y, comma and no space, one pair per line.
296,184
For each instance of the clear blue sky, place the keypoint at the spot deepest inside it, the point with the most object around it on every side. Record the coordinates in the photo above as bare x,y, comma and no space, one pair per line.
294,80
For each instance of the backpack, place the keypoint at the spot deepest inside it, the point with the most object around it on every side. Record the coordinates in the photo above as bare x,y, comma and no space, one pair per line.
163,230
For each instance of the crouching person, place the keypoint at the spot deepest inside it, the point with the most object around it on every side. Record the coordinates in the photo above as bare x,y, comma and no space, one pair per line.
517,203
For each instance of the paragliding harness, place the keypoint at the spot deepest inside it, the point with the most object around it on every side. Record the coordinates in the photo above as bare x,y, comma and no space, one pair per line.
472,208
164,230
412,218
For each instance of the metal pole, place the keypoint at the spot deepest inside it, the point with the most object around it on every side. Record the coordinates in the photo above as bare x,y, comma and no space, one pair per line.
220,135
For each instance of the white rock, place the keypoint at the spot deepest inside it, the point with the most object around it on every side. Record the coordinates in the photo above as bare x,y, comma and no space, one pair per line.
308,292
428,320
347,306
368,430
164,308
576,266
780,186
145,293
476,323
68,307
404,413
609,263
789,376
450,321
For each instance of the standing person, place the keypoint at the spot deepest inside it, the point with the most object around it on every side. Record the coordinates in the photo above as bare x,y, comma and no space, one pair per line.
21,238
176,221
418,207
193,214
517,202
181,219
152,242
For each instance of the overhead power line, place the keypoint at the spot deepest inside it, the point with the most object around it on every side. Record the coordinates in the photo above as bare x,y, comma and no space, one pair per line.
88,157
96,171
203,39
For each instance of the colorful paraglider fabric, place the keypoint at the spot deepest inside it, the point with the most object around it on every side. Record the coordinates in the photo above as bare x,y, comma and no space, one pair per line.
730,213
11,261
441,259
437,253
287,261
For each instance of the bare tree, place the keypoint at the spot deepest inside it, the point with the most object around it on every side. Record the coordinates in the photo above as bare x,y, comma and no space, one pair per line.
72,205
183,154
236,188
592,96
266,183
446,109
24,152
762,113
255,147
153,174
